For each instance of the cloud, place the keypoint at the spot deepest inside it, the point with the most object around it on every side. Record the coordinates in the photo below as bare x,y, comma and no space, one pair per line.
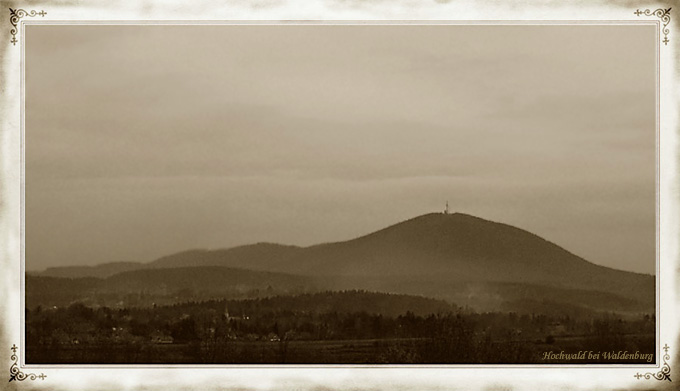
145,140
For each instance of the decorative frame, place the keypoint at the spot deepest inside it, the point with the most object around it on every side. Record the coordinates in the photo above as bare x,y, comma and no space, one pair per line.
664,15
15,16
664,373
17,375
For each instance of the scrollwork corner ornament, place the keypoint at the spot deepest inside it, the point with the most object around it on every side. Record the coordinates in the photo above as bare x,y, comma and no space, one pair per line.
663,374
15,373
664,15
15,16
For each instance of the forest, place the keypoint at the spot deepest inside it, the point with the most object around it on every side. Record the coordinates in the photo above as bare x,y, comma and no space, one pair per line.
333,327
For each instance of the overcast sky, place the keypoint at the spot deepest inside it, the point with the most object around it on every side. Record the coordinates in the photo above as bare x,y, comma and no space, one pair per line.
146,140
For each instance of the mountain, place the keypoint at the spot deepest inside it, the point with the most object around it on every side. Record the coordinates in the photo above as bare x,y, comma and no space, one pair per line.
98,271
208,279
147,286
458,257
443,248
260,256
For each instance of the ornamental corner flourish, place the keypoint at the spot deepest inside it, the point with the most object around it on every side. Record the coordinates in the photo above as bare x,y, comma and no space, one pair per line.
664,15
665,371
15,16
15,373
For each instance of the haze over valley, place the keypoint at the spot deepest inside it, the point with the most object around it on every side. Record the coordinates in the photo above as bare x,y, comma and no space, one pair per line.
458,257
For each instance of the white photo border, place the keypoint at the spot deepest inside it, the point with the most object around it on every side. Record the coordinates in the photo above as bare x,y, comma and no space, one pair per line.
257,377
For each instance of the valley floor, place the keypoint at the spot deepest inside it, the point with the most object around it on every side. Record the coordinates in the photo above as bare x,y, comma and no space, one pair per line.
366,352
346,327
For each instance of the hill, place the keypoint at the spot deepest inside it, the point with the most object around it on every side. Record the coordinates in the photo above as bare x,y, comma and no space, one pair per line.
259,256
158,286
325,302
440,248
98,271
457,256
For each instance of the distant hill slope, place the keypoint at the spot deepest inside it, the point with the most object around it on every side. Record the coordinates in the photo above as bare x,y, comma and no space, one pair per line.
348,302
189,285
98,271
460,247
203,278
58,291
438,255
260,256
172,285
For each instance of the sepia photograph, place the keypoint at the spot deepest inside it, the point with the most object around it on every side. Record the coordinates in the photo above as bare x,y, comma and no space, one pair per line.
263,195
340,194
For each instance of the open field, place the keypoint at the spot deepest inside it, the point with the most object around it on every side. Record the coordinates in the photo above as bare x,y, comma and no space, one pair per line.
368,351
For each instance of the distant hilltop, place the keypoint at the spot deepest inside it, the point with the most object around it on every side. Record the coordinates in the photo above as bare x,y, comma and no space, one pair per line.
436,246
454,256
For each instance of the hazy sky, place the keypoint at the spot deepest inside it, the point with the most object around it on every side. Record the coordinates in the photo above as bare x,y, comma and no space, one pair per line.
146,140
